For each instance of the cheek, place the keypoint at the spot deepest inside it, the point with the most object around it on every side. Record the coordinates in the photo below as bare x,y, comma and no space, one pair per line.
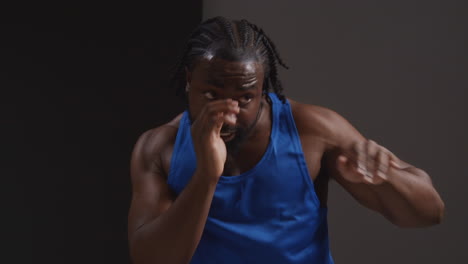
247,115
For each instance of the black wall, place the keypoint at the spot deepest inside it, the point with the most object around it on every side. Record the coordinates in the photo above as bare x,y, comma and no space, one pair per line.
79,84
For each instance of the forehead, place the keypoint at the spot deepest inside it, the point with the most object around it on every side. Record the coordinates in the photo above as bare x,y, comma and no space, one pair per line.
219,68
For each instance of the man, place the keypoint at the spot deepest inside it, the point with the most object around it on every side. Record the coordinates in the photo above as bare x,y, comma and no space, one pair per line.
242,175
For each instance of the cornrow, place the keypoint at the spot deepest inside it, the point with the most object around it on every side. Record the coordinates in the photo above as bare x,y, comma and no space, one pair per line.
274,57
178,78
218,32
227,27
270,44
245,32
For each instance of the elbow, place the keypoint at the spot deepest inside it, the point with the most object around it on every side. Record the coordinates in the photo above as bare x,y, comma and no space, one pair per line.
138,249
437,217
440,212
134,254
432,218
143,251
437,213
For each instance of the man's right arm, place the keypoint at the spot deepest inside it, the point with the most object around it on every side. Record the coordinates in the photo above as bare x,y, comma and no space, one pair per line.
162,229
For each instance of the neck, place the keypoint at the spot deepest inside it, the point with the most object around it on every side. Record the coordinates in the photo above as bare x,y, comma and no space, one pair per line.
262,122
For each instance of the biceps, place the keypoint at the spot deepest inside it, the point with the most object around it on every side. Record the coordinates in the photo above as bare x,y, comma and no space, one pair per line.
359,191
362,193
148,202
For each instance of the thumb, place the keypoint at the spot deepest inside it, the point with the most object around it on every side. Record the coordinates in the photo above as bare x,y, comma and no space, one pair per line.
395,164
342,159
219,122
341,162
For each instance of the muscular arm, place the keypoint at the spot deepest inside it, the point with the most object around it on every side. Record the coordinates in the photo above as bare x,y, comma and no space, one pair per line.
161,229
407,197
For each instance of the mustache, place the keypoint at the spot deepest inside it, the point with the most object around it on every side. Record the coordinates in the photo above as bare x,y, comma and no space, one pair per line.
229,129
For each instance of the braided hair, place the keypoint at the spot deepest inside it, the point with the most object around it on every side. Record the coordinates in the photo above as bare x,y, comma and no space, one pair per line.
230,40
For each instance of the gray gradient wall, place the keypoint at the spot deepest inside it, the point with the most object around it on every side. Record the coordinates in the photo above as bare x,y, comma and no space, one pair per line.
397,70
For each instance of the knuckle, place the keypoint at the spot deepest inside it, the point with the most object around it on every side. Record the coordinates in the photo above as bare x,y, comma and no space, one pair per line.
214,119
213,111
381,153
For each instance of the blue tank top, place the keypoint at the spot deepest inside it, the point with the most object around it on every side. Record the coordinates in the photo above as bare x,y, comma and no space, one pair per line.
268,214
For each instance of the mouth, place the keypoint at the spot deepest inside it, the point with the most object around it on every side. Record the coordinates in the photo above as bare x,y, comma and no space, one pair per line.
227,136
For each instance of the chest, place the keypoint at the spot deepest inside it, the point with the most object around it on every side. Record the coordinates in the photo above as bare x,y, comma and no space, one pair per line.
313,149
249,157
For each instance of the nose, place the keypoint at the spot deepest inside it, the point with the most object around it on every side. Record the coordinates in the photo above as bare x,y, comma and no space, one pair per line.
231,98
234,100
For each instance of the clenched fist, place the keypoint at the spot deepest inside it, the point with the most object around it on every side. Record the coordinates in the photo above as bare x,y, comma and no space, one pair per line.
367,162
210,148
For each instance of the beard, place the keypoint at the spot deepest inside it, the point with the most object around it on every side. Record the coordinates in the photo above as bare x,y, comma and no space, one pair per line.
241,134
233,146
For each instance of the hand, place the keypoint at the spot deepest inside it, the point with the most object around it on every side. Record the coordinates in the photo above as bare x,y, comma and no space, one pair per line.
210,148
367,162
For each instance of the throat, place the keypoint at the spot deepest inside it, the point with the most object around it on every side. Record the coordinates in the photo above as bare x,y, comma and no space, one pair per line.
231,168
245,158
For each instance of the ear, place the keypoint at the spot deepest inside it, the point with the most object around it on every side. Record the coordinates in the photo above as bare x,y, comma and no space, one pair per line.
188,75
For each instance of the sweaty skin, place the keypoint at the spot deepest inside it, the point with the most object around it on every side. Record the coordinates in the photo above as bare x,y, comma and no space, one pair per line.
333,149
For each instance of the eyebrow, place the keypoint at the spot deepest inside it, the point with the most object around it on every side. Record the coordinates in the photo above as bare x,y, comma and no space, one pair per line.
246,87
215,82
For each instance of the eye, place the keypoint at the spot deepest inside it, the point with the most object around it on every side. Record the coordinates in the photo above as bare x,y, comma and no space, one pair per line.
245,99
209,95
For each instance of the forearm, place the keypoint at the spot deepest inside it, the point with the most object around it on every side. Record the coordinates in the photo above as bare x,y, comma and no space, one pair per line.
173,236
408,198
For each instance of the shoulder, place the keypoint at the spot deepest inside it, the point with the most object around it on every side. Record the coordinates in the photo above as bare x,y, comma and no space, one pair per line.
324,123
152,144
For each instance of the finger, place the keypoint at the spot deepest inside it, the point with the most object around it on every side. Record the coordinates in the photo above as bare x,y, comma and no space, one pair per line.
211,113
206,124
396,164
227,106
230,109
219,122
371,150
361,157
229,118
394,160
344,164
348,169
382,165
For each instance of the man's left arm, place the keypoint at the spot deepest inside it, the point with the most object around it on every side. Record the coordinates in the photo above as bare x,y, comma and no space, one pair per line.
375,176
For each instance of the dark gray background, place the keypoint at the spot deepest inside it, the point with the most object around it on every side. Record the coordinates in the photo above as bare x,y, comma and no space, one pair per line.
397,70
80,83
